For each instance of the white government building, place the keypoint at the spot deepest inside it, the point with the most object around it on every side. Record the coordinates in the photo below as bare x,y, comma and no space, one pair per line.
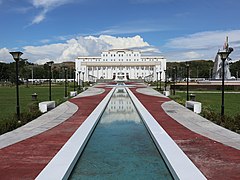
120,65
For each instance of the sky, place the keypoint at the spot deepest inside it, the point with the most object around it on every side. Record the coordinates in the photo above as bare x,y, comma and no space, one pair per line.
62,30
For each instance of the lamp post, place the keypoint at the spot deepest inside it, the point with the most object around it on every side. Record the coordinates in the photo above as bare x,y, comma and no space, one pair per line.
50,63
176,74
165,85
187,65
160,80
210,74
79,80
16,57
157,80
25,71
32,74
65,74
74,71
174,79
224,55
83,79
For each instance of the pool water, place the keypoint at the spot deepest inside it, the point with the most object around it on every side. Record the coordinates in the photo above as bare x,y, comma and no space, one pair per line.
120,146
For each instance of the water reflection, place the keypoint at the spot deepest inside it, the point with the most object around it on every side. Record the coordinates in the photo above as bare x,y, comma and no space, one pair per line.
120,108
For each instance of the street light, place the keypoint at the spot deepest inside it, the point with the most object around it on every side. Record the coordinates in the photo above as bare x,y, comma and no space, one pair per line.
157,80
79,81
174,79
165,85
65,74
32,73
26,73
50,63
83,79
160,80
16,57
74,70
224,55
77,78
187,65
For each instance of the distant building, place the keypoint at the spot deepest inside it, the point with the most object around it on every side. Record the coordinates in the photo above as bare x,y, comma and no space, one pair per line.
120,65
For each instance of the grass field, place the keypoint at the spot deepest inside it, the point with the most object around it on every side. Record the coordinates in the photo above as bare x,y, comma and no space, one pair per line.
8,97
214,100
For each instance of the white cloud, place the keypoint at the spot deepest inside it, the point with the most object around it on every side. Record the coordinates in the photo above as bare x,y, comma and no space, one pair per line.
192,55
39,18
125,29
46,6
84,46
203,40
203,45
124,42
47,52
5,56
135,27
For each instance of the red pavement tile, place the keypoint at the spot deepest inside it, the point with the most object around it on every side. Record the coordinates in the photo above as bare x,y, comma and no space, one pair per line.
26,159
215,160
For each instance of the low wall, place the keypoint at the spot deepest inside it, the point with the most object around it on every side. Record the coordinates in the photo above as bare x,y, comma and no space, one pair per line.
193,87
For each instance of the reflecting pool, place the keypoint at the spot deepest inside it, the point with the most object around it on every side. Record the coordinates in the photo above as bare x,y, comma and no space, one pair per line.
120,146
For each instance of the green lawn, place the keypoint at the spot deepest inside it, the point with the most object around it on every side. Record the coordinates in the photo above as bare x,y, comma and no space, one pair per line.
214,100
8,97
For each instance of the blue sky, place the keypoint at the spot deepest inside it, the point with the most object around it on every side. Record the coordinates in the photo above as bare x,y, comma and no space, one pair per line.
61,30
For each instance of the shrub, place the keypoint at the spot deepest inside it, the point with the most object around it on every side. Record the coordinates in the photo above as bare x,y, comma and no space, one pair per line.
12,123
230,122
178,99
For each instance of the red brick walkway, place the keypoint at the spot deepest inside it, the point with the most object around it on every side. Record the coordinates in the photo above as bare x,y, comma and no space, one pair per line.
214,159
26,159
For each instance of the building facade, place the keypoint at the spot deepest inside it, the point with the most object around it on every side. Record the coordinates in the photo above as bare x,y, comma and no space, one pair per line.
120,65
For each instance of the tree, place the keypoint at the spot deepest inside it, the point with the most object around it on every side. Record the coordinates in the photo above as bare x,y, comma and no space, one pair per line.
198,68
235,68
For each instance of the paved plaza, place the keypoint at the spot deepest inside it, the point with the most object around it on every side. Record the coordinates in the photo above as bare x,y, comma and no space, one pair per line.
25,151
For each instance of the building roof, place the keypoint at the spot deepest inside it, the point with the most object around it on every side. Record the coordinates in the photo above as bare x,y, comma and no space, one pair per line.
121,50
